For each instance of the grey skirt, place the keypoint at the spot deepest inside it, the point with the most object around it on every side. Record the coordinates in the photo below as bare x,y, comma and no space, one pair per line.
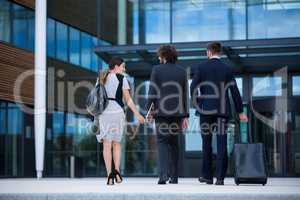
112,123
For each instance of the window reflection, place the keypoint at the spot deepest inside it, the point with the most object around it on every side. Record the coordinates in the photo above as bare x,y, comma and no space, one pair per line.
31,30
268,19
11,136
296,85
61,41
208,20
3,118
71,124
58,123
266,86
15,118
86,48
239,82
95,63
74,46
157,21
19,26
193,140
5,21
51,37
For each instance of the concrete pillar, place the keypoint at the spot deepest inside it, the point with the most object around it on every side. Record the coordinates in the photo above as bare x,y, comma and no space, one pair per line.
40,84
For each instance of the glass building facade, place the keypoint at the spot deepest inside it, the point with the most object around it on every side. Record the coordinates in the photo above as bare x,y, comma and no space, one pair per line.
165,21
64,42
146,22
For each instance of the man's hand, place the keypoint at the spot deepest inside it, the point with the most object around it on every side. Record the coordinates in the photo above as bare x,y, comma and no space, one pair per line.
243,117
149,118
185,123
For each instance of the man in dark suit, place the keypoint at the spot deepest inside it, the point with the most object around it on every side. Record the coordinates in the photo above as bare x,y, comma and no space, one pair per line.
215,80
168,92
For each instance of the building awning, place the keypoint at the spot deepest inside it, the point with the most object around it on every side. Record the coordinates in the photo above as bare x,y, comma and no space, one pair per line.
245,56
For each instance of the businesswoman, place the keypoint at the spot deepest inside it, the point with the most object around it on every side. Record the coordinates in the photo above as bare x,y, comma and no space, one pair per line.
112,120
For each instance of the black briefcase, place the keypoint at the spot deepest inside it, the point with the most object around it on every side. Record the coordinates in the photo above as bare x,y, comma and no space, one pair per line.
250,164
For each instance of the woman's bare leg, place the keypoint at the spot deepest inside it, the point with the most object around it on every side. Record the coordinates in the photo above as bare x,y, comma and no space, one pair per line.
117,154
107,156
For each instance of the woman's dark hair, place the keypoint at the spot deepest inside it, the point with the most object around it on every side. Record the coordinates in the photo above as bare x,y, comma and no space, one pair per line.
168,52
115,61
215,47
111,65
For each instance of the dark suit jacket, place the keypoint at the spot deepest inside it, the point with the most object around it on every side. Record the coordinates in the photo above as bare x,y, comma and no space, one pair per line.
215,78
168,91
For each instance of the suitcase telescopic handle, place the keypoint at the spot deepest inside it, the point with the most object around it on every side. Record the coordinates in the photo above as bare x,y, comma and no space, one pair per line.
237,123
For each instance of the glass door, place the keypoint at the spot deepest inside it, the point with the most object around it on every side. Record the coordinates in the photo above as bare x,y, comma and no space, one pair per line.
272,139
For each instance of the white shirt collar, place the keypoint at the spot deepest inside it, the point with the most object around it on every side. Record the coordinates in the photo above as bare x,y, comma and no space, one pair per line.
217,57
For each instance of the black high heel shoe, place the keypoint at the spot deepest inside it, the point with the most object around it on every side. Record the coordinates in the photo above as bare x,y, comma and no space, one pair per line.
111,179
118,175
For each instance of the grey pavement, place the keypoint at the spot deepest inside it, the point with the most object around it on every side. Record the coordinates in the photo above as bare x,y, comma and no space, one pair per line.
144,189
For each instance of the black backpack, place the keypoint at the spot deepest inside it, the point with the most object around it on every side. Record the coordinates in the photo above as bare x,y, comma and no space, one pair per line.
97,100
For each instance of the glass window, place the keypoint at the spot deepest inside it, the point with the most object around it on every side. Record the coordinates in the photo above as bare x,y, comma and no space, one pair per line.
81,125
102,64
71,124
239,82
267,86
74,46
268,19
2,118
5,21
58,123
296,85
15,119
86,50
157,21
193,140
51,37
135,16
208,20
61,41
95,63
31,29
20,26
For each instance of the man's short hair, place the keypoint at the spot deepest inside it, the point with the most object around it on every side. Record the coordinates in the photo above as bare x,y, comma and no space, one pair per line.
168,52
214,47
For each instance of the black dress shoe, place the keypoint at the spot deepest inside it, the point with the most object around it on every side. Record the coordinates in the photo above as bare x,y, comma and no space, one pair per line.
219,182
173,181
161,182
207,181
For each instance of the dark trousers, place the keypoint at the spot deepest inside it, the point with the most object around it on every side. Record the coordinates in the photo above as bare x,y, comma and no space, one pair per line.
214,125
167,131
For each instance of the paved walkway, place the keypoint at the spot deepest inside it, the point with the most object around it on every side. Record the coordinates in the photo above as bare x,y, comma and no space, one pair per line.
145,188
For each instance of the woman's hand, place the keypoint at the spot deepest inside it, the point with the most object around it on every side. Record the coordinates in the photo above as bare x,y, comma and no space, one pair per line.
140,118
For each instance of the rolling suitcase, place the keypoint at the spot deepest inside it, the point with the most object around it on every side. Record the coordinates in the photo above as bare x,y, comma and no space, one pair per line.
249,163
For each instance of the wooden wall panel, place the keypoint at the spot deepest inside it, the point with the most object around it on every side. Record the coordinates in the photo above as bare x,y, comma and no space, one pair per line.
15,61
28,3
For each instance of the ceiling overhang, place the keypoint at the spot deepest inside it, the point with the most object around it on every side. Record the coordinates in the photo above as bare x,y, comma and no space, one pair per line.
245,56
